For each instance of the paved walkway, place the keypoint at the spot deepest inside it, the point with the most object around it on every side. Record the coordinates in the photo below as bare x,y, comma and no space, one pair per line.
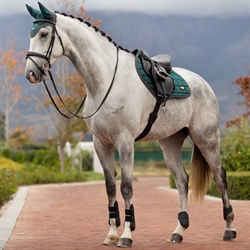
74,217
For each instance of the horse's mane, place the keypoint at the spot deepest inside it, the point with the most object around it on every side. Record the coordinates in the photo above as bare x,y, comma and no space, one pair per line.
95,28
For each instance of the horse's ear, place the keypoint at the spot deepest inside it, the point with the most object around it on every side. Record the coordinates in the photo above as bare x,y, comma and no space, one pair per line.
45,11
33,12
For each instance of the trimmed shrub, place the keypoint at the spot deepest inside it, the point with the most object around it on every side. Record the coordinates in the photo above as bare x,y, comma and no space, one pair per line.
8,178
238,186
6,152
86,160
39,155
9,164
13,174
43,157
8,184
235,147
46,176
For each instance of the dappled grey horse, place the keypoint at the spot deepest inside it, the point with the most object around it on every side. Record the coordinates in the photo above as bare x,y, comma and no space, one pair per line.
118,111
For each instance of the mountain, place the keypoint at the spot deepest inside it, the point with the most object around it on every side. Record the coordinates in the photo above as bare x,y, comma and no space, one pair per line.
217,49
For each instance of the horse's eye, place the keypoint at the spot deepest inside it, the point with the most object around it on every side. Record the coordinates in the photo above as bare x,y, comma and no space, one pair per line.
44,34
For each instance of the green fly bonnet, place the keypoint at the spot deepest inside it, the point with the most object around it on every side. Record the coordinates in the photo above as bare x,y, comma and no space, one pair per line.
44,17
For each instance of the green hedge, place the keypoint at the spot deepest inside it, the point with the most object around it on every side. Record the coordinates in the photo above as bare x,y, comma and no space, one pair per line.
47,157
13,174
238,186
8,184
235,147
8,178
45,176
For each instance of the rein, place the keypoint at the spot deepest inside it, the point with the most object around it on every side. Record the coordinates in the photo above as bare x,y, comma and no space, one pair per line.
43,70
79,108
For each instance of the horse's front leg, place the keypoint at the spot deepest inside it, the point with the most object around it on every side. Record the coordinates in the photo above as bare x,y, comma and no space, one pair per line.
126,152
105,153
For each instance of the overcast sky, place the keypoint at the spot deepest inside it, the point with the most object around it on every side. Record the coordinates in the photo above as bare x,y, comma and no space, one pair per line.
197,8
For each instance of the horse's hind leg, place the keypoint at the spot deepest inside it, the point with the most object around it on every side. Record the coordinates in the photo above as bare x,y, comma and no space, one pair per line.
105,153
208,143
171,148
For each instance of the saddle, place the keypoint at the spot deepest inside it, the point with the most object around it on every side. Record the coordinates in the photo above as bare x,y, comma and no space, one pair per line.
157,69
164,83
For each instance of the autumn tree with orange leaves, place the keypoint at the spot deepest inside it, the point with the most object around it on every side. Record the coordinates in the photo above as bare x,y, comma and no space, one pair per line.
10,92
235,144
244,84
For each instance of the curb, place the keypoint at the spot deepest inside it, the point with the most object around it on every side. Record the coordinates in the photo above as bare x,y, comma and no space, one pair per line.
10,215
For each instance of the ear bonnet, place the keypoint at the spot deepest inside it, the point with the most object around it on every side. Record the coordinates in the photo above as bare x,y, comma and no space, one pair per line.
44,17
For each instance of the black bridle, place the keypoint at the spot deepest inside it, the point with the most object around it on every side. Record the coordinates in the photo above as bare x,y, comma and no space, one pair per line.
51,45
43,69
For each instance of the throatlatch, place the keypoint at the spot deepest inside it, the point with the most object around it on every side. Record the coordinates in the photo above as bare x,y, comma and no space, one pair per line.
114,214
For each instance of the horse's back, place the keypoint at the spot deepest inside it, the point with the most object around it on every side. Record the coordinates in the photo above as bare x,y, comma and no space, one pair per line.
201,91
194,80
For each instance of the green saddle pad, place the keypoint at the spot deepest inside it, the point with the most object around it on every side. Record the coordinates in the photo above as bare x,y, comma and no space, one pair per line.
181,88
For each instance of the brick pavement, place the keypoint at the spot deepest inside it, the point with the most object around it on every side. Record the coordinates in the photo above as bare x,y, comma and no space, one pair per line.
74,217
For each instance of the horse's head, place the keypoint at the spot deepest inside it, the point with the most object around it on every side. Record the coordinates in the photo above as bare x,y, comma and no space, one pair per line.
45,44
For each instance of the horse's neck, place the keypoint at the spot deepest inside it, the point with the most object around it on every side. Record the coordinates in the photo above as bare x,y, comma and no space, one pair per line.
93,55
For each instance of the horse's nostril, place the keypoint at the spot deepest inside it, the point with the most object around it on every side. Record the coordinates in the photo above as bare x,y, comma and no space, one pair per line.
32,77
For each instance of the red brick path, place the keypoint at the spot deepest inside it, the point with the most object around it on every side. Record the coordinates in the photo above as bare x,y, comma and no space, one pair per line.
75,216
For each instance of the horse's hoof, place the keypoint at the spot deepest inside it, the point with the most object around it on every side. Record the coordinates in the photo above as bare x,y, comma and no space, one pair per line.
111,240
175,238
229,235
124,242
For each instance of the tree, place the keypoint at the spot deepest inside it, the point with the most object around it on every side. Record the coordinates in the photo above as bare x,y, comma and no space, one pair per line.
70,7
10,93
2,127
235,144
20,135
244,83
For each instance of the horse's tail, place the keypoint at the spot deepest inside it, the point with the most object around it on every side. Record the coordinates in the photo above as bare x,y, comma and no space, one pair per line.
200,176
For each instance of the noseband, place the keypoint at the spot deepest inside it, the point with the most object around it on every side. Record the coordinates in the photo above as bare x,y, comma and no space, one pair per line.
43,69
